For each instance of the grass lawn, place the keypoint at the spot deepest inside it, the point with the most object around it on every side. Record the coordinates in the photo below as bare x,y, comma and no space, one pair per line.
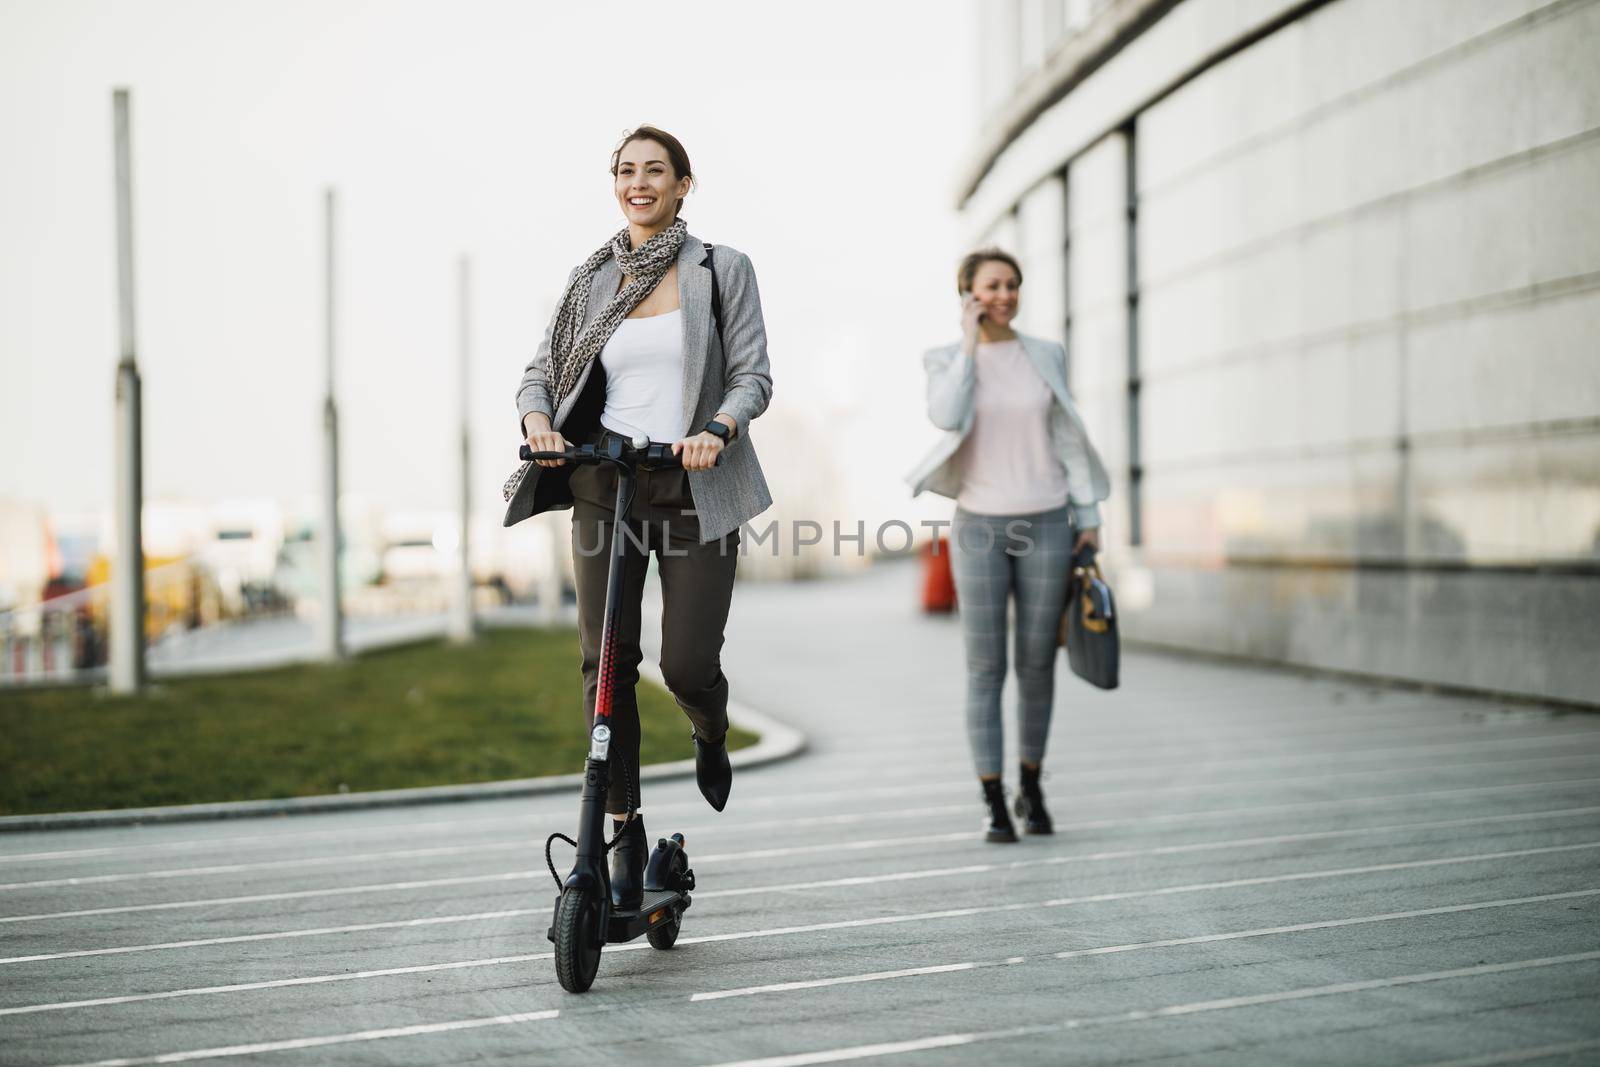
510,706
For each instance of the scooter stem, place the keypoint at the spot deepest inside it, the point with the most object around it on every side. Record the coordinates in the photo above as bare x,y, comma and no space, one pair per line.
600,738
591,866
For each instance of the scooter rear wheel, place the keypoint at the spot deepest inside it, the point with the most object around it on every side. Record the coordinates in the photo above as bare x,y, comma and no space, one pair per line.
665,936
577,941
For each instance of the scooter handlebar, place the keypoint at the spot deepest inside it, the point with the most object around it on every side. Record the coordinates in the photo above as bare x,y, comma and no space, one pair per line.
655,456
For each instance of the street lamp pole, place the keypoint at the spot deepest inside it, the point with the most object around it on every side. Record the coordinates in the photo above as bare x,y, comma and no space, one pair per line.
461,618
331,642
127,673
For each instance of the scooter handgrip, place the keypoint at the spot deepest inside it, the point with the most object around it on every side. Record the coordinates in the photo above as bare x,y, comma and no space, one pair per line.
668,461
526,454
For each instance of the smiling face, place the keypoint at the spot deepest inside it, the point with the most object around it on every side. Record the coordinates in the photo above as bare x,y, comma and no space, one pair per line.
647,188
997,288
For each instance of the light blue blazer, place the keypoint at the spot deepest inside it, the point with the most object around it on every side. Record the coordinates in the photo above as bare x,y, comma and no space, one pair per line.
950,387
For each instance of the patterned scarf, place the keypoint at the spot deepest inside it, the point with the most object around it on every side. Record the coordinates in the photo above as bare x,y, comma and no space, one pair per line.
572,344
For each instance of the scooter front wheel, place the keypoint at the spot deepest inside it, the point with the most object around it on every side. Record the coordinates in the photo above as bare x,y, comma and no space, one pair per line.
577,938
666,935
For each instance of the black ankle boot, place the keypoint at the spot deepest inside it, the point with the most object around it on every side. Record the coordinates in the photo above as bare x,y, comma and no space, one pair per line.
627,864
999,828
1030,804
712,771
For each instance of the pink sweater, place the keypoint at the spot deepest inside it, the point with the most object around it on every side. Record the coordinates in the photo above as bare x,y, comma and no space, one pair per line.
1007,465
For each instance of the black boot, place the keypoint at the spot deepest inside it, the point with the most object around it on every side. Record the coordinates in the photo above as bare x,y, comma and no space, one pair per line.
1030,804
999,828
712,771
627,863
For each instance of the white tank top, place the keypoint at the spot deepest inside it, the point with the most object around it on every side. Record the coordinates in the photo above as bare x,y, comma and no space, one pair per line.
644,377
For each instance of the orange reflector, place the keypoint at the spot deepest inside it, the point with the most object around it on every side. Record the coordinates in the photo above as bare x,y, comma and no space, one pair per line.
655,916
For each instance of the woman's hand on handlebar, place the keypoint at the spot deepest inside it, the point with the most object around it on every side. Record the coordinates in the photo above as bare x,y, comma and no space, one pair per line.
698,453
541,438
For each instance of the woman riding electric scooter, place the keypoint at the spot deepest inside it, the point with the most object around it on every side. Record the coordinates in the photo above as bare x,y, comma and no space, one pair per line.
659,336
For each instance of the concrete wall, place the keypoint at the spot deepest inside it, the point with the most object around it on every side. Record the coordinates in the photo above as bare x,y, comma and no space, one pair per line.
1359,375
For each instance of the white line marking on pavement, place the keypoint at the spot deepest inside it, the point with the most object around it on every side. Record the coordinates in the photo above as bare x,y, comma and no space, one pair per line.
1330,924
852,979
467,879
1133,894
284,983
962,835
1520,1055
1338,988
1171,942
347,859
842,818
501,846
471,879
1341,802
332,1039
1200,846
1181,753
298,894
1296,778
853,846
278,935
1097,769
879,920
1152,850
1260,810
862,879
1137,719
1088,769
859,1052
517,845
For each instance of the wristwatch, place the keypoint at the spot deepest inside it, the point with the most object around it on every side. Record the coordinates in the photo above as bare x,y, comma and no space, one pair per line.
720,429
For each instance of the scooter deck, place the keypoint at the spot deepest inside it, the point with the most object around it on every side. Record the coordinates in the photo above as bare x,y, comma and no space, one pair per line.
658,907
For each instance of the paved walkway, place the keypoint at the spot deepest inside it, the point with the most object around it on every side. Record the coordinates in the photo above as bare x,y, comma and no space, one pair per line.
256,644
1252,868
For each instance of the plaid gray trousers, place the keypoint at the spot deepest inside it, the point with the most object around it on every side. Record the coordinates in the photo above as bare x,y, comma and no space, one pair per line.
992,558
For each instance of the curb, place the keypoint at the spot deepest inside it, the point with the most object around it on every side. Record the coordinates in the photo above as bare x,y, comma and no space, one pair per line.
778,742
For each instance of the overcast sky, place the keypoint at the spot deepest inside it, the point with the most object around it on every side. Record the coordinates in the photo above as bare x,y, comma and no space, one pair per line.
826,137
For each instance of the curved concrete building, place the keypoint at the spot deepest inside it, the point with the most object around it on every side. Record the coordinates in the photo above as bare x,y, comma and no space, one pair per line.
1328,274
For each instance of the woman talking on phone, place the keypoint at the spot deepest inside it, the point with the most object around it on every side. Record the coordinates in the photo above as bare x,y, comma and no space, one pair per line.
1027,485
657,335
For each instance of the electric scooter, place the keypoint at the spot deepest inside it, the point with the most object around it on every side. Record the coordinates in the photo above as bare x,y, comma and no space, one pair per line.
585,920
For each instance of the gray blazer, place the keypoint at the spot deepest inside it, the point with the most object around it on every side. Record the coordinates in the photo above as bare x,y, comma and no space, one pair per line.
950,381
736,381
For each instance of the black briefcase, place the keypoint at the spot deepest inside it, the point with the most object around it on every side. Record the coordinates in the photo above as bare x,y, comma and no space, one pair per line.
1089,624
